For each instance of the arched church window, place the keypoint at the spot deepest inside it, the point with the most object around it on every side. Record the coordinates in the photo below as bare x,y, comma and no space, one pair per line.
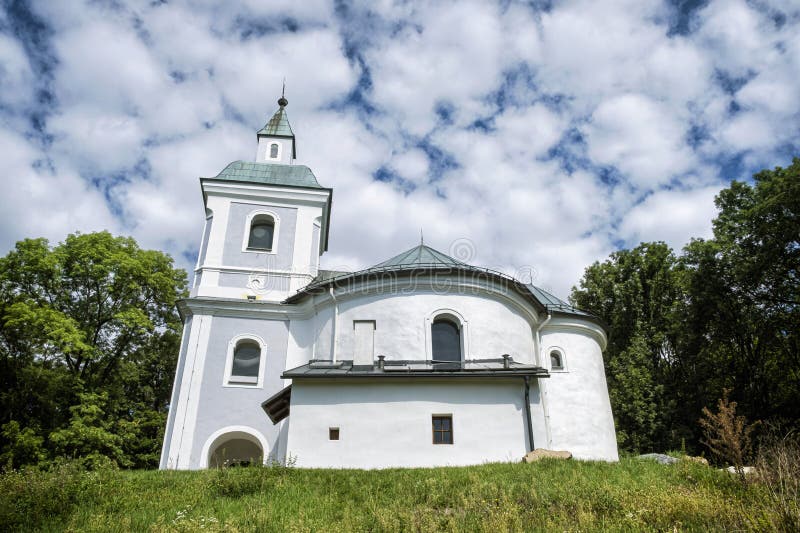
273,151
262,230
246,364
556,360
446,340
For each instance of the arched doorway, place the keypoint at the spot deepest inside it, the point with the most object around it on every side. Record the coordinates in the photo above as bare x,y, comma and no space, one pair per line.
235,448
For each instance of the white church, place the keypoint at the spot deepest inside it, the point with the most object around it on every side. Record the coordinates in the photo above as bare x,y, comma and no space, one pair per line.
420,360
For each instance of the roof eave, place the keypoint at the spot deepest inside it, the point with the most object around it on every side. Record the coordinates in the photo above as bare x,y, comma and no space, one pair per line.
538,372
312,288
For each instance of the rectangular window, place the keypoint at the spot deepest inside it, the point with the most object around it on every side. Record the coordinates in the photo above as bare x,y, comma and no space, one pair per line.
333,433
364,349
442,429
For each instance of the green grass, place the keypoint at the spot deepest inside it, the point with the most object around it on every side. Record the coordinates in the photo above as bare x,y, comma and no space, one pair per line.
551,495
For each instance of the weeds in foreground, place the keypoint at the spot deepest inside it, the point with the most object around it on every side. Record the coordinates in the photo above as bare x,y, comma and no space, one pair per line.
728,436
778,471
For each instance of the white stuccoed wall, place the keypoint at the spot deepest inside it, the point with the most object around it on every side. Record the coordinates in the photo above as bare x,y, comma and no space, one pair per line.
388,424
576,403
493,327
227,232
580,417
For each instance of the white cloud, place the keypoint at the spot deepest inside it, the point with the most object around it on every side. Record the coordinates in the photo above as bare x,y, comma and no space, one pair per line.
39,203
16,77
640,137
672,216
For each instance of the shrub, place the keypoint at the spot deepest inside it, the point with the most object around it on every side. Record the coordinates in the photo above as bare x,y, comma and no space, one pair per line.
729,437
33,496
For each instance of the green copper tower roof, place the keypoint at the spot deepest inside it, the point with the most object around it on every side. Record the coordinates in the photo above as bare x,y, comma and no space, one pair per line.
278,125
269,174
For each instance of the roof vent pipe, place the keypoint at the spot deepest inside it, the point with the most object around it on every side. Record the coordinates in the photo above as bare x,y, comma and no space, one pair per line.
506,361
381,362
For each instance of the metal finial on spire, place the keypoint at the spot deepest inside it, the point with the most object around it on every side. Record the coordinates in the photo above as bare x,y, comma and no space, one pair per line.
421,238
282,101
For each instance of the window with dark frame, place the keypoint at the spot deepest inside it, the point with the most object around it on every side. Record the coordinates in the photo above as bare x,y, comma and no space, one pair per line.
262,229
273,151
556,363
246,363
442,429
333,433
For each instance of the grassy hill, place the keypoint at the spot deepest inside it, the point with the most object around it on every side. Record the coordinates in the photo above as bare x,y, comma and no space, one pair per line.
633,495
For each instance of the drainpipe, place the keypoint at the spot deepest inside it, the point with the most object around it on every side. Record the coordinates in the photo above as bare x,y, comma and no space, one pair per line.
335,320
528,412
542,384
538,338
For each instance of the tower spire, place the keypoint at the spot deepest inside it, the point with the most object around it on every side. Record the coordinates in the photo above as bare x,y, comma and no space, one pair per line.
276,142
282,101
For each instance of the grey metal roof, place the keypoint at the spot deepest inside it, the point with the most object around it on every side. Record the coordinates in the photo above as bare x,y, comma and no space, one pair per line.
555,304
480,368
323,275
278,125
270,174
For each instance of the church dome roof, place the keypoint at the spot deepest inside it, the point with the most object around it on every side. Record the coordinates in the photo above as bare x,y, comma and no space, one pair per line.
423,257
419,255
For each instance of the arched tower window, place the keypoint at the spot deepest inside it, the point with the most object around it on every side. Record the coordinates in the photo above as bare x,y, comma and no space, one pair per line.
245,363
556,360
262,230
446,340
273,150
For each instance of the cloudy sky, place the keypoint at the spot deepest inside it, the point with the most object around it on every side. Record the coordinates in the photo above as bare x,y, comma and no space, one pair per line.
534,137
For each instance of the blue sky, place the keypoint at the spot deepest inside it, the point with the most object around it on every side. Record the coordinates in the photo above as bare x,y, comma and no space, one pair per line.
533,137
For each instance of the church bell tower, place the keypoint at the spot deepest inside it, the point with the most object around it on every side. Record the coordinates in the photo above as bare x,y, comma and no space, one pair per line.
266,221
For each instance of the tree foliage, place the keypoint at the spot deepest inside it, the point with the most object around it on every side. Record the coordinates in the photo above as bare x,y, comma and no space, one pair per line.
88,343
722,314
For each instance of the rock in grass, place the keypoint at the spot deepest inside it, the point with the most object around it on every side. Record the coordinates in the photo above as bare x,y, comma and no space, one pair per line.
659,457
701,460
745,470
541,453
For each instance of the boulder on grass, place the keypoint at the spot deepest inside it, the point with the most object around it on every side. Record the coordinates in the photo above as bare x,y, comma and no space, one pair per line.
746,470
541,453
701,460
659,457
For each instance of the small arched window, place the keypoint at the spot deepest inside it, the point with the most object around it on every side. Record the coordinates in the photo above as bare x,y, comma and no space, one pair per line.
273,151
246,363
446,340
262,230
556,360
